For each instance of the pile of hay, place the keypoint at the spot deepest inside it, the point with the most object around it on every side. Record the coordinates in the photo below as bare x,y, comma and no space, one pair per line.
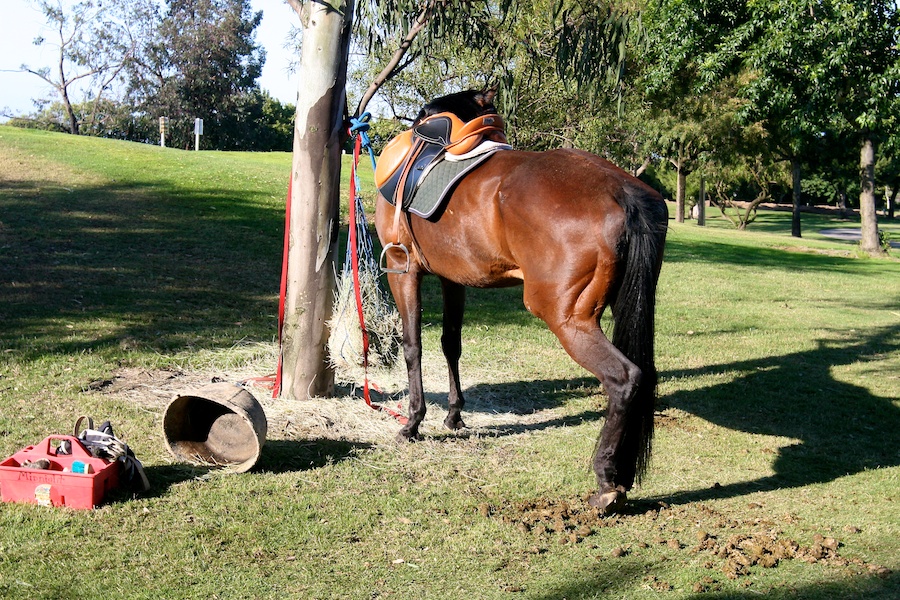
345,342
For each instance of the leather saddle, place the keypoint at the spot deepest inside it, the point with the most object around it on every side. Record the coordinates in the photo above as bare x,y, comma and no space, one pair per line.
408,156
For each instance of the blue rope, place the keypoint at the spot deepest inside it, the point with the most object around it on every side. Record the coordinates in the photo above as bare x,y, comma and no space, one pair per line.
360,125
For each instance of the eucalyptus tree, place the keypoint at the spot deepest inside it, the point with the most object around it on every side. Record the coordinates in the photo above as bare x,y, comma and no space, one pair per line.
401,29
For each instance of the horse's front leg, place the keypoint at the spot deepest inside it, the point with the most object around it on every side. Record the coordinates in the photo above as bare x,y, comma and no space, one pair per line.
451,343
406,290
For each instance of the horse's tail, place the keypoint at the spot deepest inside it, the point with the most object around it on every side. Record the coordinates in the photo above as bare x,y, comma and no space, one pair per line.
633,308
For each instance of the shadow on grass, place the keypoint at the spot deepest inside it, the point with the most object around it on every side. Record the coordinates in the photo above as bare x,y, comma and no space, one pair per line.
287,456
842,428
277,456
745,255
616,578
140,266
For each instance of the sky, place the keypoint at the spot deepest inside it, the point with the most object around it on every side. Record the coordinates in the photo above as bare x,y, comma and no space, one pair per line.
22,23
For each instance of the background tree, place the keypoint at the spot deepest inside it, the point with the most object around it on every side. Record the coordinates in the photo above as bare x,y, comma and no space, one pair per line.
800,64
93,43
859,70
742,166
202,61
887,170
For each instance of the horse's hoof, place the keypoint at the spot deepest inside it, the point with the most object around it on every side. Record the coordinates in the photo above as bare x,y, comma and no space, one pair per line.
405,437
454,424
609,501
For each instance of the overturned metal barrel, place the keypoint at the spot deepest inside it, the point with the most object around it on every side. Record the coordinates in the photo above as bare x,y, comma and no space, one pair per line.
220,425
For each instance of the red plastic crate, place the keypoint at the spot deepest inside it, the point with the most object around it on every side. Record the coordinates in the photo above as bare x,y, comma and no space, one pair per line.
57,486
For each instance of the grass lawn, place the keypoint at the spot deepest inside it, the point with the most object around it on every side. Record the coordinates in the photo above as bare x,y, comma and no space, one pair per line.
130,273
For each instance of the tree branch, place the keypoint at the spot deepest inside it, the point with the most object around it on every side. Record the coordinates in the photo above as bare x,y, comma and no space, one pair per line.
393,67
298,7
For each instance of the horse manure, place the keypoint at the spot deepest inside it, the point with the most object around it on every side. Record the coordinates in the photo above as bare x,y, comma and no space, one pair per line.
735,547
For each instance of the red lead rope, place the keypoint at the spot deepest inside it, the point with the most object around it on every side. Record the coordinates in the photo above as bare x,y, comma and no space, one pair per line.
354,258
276,387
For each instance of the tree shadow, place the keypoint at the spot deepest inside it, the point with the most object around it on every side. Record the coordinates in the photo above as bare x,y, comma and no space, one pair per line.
277,456
136,265
290,456
736,254
842,428
616,578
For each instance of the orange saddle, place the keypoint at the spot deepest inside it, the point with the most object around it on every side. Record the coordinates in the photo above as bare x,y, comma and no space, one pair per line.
406,156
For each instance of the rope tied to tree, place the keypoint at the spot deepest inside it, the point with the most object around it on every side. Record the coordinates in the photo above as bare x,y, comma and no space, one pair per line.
359,282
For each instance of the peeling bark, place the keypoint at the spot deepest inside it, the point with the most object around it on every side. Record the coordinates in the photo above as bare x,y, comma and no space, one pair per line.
315,200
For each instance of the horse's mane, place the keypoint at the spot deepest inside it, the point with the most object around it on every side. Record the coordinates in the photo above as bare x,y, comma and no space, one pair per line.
466,105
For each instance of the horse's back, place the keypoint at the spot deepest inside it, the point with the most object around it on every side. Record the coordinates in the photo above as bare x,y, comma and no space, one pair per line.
562,201
527,215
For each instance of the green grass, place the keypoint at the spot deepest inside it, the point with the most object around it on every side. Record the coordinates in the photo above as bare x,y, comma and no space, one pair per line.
779,408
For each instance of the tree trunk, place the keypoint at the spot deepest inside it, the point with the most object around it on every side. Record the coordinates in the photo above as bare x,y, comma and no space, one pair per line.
70,112
701,207
842,203
680,193
63,88
315,199
795,180
869,220
890,200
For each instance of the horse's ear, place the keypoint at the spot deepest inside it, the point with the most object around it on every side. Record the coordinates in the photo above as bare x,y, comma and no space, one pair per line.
486,97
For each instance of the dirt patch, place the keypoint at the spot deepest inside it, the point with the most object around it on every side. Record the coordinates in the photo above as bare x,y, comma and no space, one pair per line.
345,417
148,387
673,419
728,547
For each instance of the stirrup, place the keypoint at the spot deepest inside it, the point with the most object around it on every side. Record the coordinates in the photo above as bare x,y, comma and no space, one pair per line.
382,260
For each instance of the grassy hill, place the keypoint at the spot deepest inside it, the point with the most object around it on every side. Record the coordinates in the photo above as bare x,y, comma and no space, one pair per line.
130,273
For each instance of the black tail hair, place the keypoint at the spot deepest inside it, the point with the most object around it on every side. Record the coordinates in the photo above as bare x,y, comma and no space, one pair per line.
646,222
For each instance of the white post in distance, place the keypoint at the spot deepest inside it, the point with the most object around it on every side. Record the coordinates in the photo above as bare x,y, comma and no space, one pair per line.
163,129
198,131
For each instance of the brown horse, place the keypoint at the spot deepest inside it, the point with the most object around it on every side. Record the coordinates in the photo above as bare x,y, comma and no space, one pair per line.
579,234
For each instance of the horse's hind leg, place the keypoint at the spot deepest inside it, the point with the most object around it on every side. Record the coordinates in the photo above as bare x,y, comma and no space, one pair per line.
620,379
581,336
451,343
